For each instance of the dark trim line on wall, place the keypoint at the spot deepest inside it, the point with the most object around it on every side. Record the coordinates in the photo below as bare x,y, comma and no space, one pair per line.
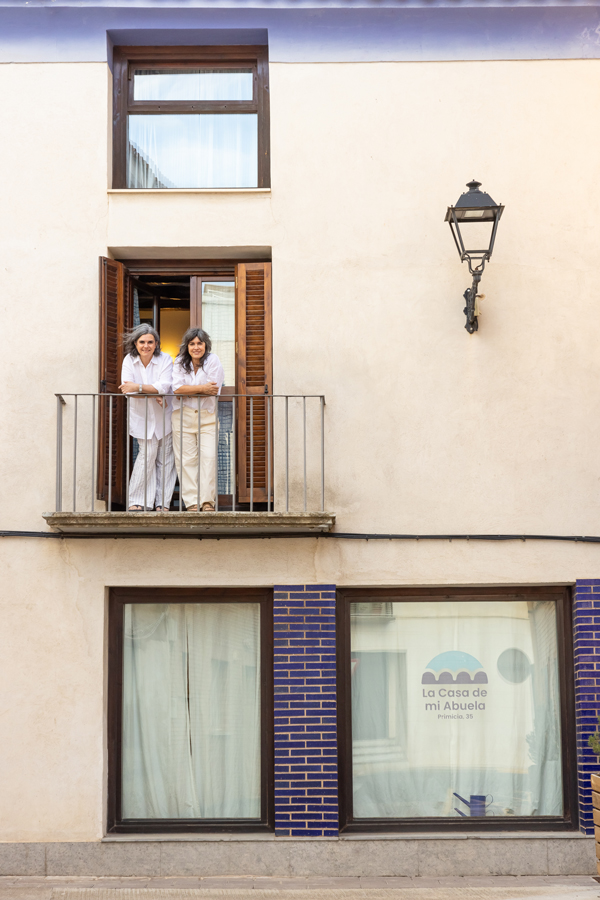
564,617
343,536
118,598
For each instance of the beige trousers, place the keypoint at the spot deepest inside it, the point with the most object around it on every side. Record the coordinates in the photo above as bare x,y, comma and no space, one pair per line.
185,448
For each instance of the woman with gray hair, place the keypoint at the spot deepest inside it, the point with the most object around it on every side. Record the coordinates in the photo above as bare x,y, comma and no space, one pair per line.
147,370
197,378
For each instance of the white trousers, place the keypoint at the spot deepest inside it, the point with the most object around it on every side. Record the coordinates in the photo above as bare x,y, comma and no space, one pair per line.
152,451
185,447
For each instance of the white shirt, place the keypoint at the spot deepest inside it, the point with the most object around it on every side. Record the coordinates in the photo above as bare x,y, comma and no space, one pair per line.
212,370
158,373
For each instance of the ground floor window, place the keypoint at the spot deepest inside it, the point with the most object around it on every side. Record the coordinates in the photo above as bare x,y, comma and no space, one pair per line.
190,709
458,708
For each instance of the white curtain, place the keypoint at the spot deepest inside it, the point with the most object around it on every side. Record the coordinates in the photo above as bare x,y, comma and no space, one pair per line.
218,319
455,698
192,84
191,711
193,151
544,740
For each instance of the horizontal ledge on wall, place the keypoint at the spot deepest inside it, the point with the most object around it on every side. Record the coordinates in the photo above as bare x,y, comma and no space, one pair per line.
175,258
396,836
188,190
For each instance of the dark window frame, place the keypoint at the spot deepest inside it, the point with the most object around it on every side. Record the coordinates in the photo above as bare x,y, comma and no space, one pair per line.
118,597
126,58
568,821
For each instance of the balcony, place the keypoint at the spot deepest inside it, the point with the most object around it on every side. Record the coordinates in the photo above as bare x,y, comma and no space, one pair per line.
270,451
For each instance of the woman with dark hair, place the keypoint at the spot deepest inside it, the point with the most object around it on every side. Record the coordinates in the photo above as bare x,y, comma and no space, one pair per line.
197,378
147,370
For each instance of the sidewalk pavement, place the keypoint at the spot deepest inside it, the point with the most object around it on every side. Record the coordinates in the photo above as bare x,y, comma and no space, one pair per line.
499,887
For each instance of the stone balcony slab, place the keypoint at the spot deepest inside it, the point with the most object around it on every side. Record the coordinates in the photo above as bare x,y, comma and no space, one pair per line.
190,523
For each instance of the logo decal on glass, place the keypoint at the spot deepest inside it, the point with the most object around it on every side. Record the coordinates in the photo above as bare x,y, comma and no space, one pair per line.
454,667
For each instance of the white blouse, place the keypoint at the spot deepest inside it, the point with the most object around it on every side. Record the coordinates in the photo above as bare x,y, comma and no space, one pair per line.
212,370
158,373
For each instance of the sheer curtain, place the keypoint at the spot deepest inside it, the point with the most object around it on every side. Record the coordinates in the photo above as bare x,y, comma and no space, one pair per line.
191,711
193,151
544,740
456,698
218,319
192,84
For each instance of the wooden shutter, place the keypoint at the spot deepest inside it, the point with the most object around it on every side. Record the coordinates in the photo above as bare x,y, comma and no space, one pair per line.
116,316
254,336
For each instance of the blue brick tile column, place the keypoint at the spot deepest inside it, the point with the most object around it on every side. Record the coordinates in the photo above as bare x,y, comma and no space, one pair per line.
306,788
586,635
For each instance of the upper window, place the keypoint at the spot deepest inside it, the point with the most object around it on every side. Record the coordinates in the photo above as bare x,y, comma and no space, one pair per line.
189,117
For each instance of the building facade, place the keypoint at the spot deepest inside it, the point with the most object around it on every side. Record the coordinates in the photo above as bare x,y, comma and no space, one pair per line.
378,654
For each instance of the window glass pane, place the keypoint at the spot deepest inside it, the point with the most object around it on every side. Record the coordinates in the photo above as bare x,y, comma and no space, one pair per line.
226,449
192,151
455,709
191,711
192,84
218,319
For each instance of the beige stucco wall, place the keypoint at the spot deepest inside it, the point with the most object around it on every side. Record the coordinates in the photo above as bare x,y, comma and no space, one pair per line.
428,429
52,666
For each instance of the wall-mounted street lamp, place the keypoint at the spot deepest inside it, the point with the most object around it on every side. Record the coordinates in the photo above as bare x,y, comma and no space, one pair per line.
474,207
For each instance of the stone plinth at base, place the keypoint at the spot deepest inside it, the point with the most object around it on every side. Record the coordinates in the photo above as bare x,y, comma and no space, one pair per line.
198,855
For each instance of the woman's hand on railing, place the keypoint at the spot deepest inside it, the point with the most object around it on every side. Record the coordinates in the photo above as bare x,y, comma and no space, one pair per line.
133,387
211,388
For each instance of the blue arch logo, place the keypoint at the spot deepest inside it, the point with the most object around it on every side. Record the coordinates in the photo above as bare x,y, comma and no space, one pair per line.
454,667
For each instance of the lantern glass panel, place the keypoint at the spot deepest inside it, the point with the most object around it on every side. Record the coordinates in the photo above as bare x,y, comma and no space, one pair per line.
476,235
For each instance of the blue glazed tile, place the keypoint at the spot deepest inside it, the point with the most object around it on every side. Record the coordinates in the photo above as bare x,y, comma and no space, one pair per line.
322,587
305,832
321,621
302,785
305,721
288,587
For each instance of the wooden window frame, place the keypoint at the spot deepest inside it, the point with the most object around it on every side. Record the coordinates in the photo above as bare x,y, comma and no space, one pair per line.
124,58
118,598
569,820
250,357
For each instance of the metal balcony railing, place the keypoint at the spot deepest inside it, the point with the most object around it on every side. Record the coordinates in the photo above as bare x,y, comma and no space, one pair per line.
270,452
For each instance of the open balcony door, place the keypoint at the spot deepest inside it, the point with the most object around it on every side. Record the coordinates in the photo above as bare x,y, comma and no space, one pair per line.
116,316
254,338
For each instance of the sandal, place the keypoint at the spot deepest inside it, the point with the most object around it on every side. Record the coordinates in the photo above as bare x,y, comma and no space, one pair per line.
193,508
162,509
207,506
136,509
